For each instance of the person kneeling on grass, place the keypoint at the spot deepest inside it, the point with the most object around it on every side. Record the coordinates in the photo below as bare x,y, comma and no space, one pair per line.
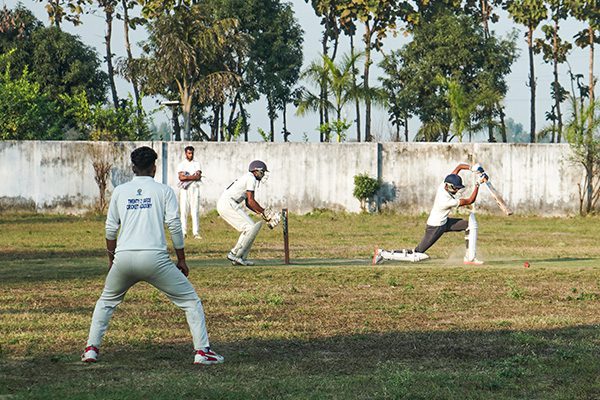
438,222
141,208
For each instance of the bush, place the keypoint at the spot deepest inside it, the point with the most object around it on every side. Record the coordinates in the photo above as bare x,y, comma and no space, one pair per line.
365,188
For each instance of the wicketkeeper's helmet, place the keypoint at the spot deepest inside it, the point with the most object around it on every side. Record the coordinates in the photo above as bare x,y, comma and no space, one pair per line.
455,181
257,165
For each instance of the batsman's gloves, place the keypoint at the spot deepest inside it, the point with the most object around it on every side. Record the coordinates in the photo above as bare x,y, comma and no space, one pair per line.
483,178
477,168
271,217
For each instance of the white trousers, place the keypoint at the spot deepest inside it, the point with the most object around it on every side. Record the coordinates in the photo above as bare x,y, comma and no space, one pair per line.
156,268
234,214
189,202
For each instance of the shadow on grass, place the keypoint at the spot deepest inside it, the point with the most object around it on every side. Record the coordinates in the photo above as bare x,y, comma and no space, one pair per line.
543,364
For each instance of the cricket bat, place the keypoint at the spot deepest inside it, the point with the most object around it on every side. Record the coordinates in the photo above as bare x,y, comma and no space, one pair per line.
499,200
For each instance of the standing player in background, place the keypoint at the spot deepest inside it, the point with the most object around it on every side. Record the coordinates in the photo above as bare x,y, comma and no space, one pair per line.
230,207
190,175
138,211
438,222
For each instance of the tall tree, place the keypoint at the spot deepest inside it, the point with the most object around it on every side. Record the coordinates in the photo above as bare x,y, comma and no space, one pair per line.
588,11
108,8
131,23
555,50
61,64
453,47
400,100
529,13
328,11
183,52
378,18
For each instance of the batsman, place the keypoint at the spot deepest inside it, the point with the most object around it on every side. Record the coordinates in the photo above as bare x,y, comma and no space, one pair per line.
439,223
231,208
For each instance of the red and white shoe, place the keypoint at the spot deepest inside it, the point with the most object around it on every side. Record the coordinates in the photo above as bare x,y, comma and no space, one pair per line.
208,357
90,354
474,261
377,257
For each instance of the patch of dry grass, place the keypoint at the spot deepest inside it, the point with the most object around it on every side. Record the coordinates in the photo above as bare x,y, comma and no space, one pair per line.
328,326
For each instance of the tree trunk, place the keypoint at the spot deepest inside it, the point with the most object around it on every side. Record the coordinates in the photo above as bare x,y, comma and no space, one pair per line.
221,120
356,100
591,34
108,12
323,92
232,112
271,111
286,134
176,126
589,176
531,85
134,82
502,123
406,128
368,34
243,114
186,108
485,14
214,126
556,83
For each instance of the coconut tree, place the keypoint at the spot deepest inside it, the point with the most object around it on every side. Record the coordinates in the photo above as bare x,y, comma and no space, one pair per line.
342,90
529,13
183,52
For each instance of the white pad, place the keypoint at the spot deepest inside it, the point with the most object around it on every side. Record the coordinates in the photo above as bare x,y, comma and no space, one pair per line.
242,248
404,255
471,238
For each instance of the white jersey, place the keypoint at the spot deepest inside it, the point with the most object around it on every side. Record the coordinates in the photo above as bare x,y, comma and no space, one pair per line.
237,190
189,167
140,208
442,205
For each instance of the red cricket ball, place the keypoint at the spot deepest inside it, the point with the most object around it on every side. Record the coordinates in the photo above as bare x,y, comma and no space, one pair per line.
526,264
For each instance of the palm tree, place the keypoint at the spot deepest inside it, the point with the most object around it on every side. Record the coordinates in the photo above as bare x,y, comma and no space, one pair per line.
341,86
529,13
185,51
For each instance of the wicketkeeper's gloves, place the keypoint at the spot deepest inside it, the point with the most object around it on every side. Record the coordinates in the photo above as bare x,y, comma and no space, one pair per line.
271,217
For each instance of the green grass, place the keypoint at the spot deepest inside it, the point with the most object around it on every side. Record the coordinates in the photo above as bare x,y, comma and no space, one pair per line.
328,326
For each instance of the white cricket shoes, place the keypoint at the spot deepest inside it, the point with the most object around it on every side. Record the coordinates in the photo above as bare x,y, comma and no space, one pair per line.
377,257
474,261
90,354
208,357
235,260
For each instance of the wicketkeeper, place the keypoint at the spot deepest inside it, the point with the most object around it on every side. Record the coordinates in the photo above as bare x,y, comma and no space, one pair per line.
438,222
231,208
137,251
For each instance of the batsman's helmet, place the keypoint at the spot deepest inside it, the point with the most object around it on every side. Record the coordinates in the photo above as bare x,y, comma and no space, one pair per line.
257,165
455,181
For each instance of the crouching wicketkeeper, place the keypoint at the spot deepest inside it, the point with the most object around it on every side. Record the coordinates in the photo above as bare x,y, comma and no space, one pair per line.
231,208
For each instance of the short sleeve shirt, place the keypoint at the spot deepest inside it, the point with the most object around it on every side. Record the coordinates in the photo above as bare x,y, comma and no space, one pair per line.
237,190
190,167
442,205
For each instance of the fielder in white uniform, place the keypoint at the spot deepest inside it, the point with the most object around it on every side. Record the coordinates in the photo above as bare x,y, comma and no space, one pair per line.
137,251
438,222
231,208
190,175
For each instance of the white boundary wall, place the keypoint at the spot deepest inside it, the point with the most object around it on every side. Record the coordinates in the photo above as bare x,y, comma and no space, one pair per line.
534,178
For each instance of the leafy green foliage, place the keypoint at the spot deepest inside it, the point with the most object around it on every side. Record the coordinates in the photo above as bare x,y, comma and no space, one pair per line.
25,112
455,48
365,188
105,122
